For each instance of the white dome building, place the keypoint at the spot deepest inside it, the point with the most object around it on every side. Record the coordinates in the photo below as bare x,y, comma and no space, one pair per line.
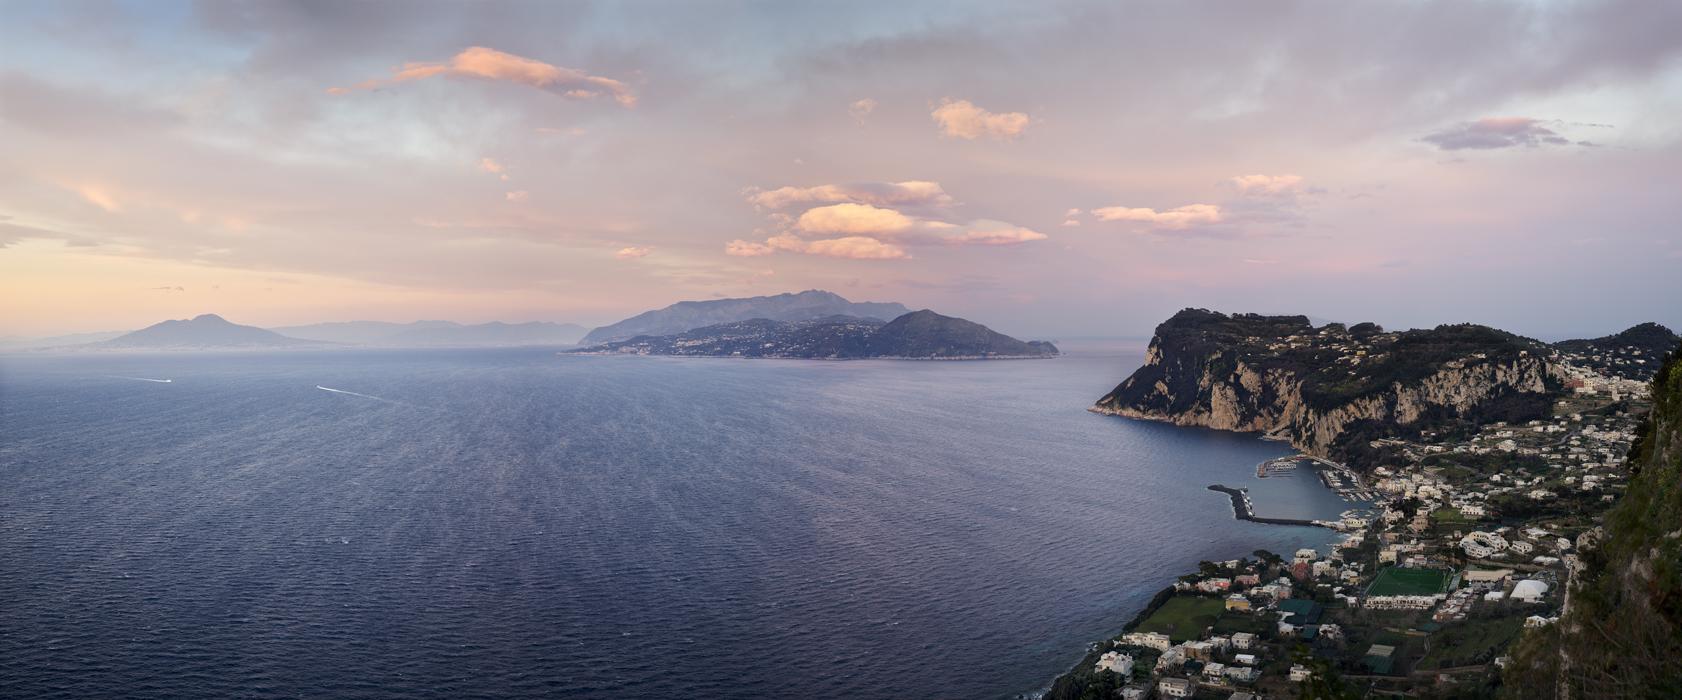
1530,591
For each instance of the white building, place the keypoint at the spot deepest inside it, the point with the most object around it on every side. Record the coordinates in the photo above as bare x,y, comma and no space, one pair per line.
1175,688
1116,661
1530,591
1149,640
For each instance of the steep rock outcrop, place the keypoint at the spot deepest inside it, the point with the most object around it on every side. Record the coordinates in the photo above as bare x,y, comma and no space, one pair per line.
1322,388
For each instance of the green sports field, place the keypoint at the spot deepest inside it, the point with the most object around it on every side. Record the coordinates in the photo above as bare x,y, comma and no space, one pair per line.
1184,617
1395,580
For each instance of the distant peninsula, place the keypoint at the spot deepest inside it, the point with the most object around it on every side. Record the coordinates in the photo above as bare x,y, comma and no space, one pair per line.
810,305
923,335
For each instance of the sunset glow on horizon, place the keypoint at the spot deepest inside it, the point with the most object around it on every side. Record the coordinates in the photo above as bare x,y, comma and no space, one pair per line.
1056,169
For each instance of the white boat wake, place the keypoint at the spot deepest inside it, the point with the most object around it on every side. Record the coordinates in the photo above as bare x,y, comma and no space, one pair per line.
352,393
143,379
371,396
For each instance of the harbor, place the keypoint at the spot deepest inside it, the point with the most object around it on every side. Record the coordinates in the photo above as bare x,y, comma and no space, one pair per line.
1340,479
1243,510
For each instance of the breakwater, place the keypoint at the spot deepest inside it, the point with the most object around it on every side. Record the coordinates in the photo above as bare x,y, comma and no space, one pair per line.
1242,509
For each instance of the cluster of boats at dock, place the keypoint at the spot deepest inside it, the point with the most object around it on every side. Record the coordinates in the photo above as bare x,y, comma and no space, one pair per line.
1340,479
1336,477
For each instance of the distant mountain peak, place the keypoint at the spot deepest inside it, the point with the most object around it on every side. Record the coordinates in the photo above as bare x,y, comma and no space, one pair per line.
788,306
202,331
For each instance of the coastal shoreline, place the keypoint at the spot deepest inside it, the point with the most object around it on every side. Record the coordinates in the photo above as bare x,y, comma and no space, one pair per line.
1242,510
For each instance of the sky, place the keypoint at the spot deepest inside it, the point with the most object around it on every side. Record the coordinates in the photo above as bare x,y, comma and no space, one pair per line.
1050,169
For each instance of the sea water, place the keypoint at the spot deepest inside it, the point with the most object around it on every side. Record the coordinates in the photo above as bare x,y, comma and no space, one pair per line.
501,523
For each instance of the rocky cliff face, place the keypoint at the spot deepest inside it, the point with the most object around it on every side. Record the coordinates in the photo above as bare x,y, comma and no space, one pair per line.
1326,389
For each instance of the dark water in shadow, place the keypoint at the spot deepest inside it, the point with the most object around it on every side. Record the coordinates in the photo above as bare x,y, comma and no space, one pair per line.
512,523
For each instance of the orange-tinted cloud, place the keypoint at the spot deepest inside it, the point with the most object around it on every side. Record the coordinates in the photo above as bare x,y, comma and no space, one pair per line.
860,109
491,64
633,252
1174,219
986,232
1268,185
873,221
853,219
747,249
855,247
962,119
97,196
920,193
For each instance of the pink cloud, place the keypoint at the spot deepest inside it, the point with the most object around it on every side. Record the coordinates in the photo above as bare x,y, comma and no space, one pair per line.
633,252
747,249
491,64
856,221
1178,218
1268,185
853,219
517,196
986,232
962,119
855,247
908,193
97,196
861,109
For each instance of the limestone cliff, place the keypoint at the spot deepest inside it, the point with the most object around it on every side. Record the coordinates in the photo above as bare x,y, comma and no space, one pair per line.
1330,390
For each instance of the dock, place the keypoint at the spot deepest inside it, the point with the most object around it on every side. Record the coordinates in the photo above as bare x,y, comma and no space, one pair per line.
1242,509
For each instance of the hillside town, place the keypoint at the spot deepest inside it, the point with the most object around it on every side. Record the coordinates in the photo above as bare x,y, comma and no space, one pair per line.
1462,541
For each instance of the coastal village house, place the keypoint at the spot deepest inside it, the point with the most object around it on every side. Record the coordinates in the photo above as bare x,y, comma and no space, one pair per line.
1175,688
1117,662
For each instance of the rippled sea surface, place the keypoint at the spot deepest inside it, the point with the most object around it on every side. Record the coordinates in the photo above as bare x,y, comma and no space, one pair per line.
501,523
